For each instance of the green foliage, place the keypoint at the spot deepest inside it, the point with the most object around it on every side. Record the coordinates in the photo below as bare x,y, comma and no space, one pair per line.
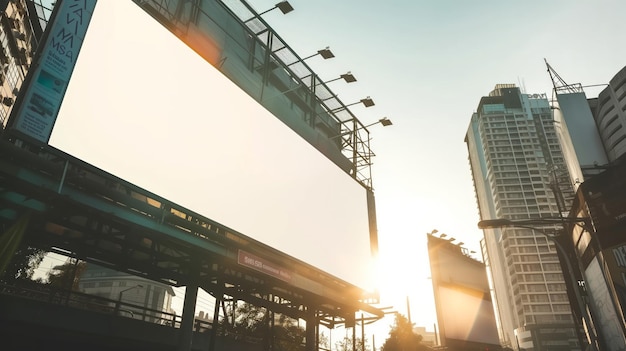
249,319
23,264
10,241
346,344
254,321
17,260
323,341
402,337
288,337
67,275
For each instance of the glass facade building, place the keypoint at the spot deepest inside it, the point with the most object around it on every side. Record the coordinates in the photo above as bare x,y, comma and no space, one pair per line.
22,24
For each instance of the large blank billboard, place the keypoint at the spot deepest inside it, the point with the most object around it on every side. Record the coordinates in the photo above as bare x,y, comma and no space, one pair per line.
146,108
465,311
467,314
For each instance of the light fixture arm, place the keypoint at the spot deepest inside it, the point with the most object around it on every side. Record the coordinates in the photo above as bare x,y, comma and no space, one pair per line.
119,297
325,53
283,6
583,222
384,121
348,77
367,102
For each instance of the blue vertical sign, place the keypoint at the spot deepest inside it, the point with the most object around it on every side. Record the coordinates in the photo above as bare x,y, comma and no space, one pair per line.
50,74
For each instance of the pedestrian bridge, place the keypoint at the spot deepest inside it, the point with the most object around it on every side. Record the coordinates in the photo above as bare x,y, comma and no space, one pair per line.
58,203
35,317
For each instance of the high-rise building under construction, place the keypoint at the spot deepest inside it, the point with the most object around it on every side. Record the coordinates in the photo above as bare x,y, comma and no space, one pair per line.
519,173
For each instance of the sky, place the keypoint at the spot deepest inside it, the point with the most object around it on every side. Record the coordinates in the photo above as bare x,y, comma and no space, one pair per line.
426,64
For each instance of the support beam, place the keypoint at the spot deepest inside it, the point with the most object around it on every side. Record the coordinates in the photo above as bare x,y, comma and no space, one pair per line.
311,327
189,311
219,300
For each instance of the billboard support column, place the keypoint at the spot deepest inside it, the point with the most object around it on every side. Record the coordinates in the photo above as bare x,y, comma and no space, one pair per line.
373,225
219,299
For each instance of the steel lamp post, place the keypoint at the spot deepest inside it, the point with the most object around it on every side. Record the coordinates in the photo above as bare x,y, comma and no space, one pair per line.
528,224
119,296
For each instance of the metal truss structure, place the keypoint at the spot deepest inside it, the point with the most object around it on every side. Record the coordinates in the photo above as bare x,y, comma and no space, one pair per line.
81,211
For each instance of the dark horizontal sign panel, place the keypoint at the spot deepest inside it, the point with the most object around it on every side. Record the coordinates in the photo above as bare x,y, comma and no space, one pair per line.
257,263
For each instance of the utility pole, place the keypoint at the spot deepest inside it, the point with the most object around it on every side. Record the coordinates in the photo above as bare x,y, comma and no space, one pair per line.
408,310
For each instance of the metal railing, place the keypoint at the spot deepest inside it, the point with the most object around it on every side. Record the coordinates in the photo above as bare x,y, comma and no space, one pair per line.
97,304
32,290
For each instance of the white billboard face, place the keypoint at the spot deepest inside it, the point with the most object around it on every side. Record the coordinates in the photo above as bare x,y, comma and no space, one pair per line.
467,315
464,308
144,107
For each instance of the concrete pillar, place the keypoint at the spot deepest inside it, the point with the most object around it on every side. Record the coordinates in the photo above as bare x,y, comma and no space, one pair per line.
216,311
311,335
189,311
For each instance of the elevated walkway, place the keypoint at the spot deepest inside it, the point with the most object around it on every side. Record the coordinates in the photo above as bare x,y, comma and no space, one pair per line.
41,318
73,207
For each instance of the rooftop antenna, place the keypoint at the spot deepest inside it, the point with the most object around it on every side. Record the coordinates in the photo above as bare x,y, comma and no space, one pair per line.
521,84
559,84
